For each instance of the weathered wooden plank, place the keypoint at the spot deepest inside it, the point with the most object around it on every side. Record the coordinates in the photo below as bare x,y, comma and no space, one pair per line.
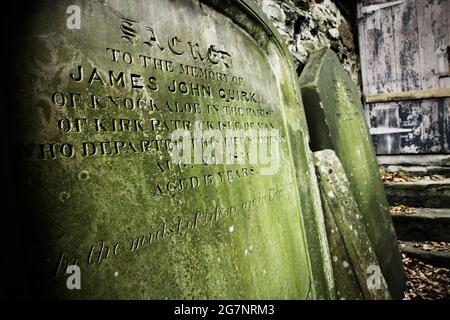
446,31
433,40
446,108
426,120
406,46
432,126
444,82
362,48
380,51
408,95
363,58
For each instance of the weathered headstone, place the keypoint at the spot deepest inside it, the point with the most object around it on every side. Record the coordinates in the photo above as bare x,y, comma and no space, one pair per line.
356,270
98,89
336,121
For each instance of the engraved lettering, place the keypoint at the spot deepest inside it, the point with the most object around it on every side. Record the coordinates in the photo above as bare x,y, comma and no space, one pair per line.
95,77
129,33
152,38
173,43
79,76
113,80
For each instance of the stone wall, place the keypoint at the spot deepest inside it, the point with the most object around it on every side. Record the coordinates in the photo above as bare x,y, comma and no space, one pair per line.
309,25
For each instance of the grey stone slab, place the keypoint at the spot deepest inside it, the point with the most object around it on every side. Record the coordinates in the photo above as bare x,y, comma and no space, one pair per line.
356,269
336,121
424,224
420,171
415,160
422,193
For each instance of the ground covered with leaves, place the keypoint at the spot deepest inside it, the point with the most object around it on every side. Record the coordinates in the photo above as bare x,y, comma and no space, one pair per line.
387,176
401,209
399,176
424,281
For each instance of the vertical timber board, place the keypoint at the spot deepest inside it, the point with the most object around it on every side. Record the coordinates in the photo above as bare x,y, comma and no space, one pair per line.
433,40
379,48
425,119
447,122
435,129
444,63
445,105
363,55
406,44
104,194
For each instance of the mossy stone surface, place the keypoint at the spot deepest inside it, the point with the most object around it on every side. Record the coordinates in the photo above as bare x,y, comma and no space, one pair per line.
92,191
357,273
336,121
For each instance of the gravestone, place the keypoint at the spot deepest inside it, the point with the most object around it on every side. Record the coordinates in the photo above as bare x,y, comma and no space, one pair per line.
357,273
98,91
336,121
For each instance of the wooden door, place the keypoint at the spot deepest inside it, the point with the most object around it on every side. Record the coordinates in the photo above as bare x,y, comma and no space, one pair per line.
405,53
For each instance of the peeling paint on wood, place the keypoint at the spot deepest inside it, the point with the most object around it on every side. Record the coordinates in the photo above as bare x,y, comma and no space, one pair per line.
405,58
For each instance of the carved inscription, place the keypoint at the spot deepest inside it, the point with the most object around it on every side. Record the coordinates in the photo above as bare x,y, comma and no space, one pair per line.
151,85
103,251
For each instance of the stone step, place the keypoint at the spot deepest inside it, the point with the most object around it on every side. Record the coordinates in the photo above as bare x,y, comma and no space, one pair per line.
419,171
422,193
424,224
436,258
415,160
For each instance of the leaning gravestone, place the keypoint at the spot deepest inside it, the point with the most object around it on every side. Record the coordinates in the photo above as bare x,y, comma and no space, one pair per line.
356,270
336,121
98,90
